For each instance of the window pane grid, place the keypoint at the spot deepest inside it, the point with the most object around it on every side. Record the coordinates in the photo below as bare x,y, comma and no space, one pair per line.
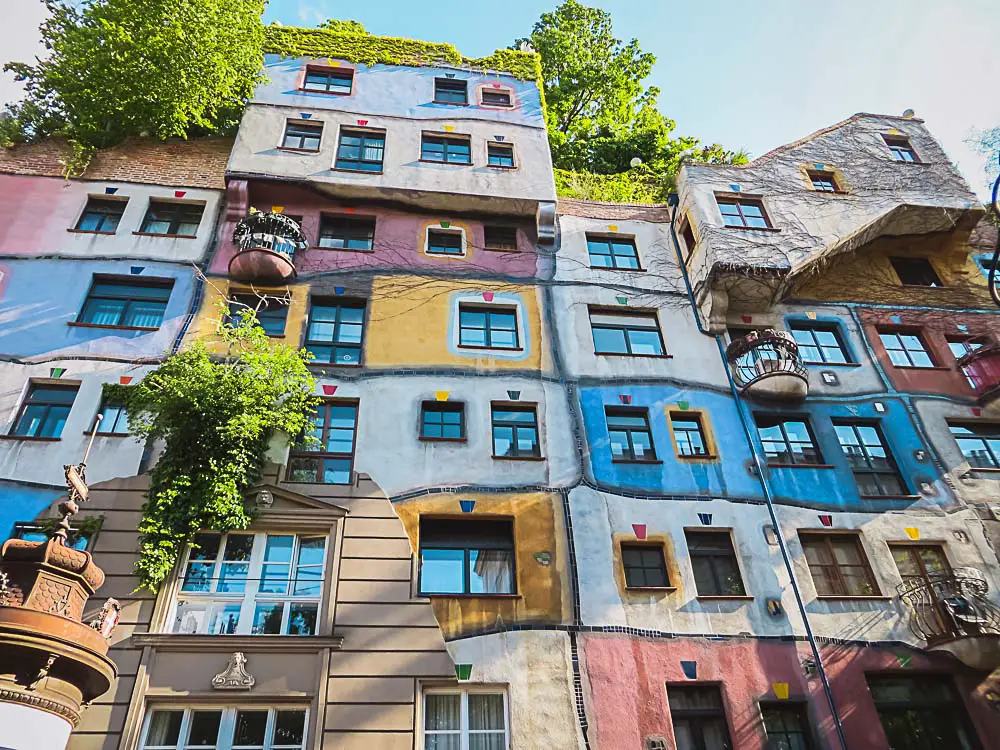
444,242
465,720
360,151
635,334
346,234
717,572
330,460
979,443
838,565
225,729
787,441
644,566
114,419
329,81
496,98
44,411
688,435
874,469
819,345
746,214
613,252
488,328
630,436
335,333
455,150
515,432
180,219
905,349
500,238
118,303
500,155
101,215
301,136
442,421
450,91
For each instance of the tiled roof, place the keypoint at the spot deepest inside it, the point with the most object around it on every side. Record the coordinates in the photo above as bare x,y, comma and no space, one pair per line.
197,163
657,212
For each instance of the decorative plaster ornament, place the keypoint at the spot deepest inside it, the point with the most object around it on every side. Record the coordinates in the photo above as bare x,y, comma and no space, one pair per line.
775,608
305,115
463,671
683,405
441,395
448,128
920,455
467,506
913,532
639,529
976,411
893,131
329,390
445,224
879,407
333,63
56,372
809,667
338,290
265,499
747,319
277,209
180,193
513,395
826,520
612,227
625,398
235,675
498,138
734,187
690,669
705,518
350,210
960,536
780,690
622,300
963,328
903,659
136,270
895,319
488,296
811,315
495,85
830,377
543,558
449,75
110,190
819,166
362,123
769,536
124,380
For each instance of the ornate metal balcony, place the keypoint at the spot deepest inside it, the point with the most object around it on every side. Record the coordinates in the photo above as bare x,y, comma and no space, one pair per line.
982,367
950,612
265,247
766,366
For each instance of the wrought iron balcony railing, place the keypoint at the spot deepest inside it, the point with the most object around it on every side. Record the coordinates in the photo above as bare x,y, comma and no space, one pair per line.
981,366
949,606
265,247
766,364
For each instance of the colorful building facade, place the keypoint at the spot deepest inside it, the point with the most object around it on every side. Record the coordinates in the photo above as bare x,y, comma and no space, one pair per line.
713,474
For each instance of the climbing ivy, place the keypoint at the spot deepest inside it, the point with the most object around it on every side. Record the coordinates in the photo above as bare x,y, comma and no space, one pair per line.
215,416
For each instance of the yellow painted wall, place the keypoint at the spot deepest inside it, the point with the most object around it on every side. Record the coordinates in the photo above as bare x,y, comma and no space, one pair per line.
543,590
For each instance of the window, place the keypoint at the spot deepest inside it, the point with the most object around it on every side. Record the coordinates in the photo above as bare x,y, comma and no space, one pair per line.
838,564
744,213
255,728
77,538
500,238
713,559
271,313
487,327
446,149
819,343
128,304
901,148
496,98
787,441
921,711
442,421
328,80
251,584
465,720
335,332
687,234
613,252
979,443
629,433
466,557
445,242
302,136
961,346
874,469
101,215
698,718
644,566
451,91
500,155
515,432
44,411
329,458
172,219
786,726
823,182
915,272
360,150
905,349
919,563
689,435
635,334
339,233
114,419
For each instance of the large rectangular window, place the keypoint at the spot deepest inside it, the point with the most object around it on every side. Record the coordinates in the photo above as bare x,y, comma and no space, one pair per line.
442,420
487,327
906,349
360,150
472,719
644,565
743,213
921,712
335,332
451,91
698,717
172,219
302,136
787,441
251,728
515,432
328,80
713,560
466,557
44,411
452,149
329,457
874,468
634,334
979,443
251,584
838,564
613,252
786,726
101,215
819,343
340,233
629,434
116,302
271,313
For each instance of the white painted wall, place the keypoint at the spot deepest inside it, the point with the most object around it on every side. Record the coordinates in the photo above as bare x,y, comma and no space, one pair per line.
24,728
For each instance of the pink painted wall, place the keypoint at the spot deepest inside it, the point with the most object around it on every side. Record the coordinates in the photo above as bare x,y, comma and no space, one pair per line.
399,237
626,678
35,212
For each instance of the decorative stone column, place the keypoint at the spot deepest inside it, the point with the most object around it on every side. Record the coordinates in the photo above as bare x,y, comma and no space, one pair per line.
51,663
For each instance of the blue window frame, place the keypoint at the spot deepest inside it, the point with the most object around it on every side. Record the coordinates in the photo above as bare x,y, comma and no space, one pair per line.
335,332
77,538
114,419
129,304
819,343
44,411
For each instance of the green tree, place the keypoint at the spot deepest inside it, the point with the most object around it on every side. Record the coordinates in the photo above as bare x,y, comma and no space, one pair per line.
344,26
119,68
215,417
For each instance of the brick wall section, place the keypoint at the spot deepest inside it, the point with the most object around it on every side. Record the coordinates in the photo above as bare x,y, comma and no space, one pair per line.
197,163
659,212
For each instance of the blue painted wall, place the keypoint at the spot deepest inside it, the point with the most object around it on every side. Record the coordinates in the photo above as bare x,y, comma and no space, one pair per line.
19,503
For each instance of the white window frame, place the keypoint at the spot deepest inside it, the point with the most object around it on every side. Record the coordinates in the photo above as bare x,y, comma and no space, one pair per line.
464,732
227,726
451,229
249,598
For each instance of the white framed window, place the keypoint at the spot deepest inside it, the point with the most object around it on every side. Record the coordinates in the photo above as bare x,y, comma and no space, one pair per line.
445,240
257,728
465,719
251,584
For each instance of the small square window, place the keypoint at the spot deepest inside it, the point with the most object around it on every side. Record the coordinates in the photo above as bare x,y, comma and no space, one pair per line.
915,272
446,149
496,98
822,181
713,561
445,242
271,313
900,148
101,215
442,420
613,252
44,411
500,238
689,434
644,565
360,150
172,219
451,91
906,348
340,233
743,213
114,419
787,441
487,327
459,556
500,155
328,80
302,136
629,434
113,302
515,432
819,343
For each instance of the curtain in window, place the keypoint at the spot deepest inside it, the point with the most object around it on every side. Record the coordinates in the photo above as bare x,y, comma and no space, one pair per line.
486,721
442,721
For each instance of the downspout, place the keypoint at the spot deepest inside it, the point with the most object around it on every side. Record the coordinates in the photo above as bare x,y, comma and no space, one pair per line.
674,200
994,282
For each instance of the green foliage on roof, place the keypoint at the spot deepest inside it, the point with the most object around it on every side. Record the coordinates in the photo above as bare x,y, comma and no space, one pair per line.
635,186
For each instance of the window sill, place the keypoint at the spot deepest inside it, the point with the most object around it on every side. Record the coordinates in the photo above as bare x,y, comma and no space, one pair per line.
832,364
75,324
31,439
441,439
299,150
984,469
867,598
338,250
752,229
640,589
889,497
280,643
469,596
501,249
90,231
800,466
502,166
489,348
724,598
313,364
167,236
634,356
106,434
700,457
484,105
447,163
939,288
355,171
326,93
928,369
450,104
614,268
635,461
518,458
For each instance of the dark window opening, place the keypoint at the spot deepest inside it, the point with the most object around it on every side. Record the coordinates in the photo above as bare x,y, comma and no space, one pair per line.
44,411
644,566
339,233
698,717
874,468
900,148
915,272
687,234
466,557
787,440
335,331
301,136
786,726
921,712
838,564
979,443
114,302
444,242
713,560
442,420
174,219
360,150
500,238
447,150
823,182
451,91
496,97
101,215
328,80
329,457
500,155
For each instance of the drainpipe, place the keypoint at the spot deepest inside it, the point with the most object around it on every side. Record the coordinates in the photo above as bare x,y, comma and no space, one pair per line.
760,466
993,280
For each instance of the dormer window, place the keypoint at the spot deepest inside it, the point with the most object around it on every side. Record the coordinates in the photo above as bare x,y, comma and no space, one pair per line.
915,272
823,181
901,148
743,213
325,80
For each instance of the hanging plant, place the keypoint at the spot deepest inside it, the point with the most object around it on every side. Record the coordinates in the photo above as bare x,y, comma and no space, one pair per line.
215,416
